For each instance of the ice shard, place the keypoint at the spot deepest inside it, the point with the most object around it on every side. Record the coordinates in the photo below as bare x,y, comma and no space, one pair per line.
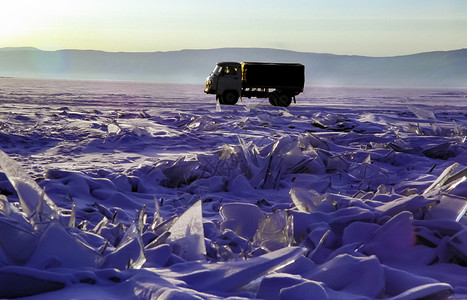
4,205
438,290
242,218
284,154
458,130
456,179
130,251
72,222
229,276
58,248
450,207
310,201
414,204
422,113
439,182
157,219
392,239
275,231
37,206
114,128
458,245
17,240
250,153
187,234
351,274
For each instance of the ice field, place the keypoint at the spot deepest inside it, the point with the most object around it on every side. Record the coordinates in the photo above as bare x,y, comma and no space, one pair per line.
127,190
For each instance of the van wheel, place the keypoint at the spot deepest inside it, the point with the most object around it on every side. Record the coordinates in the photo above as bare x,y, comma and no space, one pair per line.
283,100
229,98
279,99
273,98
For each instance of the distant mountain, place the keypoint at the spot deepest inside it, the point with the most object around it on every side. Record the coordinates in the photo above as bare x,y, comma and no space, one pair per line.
431,69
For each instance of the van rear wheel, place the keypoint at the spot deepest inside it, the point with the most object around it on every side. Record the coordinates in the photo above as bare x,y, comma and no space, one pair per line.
283,100
273,98
229,98
279,99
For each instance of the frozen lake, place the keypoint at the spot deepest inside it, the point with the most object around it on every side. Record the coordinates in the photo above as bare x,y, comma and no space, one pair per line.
158,95
149,185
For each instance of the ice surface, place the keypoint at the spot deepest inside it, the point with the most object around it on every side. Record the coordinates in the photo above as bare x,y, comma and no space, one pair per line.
150,191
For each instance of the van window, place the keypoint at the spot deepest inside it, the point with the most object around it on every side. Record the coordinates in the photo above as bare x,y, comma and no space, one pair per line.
230,70
217,70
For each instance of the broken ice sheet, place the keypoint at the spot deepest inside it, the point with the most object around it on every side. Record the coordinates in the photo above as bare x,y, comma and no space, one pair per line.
231,276
453,181
450,207
17,240
187,234
58,248
129,253
441,151
363,171
179,172
310,201
242,218
284,156
336,163
250,152
275,231
422,113
114,128
4,205
308,141
458,245
157,218
458,131
390,241
435,187
415,204
35,203
351,274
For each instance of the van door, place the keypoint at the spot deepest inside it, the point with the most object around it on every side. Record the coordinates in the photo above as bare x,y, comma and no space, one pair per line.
230,78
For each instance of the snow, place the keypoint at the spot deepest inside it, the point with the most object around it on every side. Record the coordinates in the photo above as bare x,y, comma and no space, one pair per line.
129,190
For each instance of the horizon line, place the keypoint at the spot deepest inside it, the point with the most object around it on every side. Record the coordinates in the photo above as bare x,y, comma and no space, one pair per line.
26,48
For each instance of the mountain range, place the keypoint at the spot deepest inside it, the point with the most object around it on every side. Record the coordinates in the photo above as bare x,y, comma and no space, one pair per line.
429,69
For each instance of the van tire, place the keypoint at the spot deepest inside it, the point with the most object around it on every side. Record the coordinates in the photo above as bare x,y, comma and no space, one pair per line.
273,98
283,100
279,99
229,98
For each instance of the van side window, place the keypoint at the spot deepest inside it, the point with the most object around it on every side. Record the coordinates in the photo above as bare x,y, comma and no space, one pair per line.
229,70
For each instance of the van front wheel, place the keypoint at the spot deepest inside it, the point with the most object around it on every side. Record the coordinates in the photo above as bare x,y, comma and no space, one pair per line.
229,98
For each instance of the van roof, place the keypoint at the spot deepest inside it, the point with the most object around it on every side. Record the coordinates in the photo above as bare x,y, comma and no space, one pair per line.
226,63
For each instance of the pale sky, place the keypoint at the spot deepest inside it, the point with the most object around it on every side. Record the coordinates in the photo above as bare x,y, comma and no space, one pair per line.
355,27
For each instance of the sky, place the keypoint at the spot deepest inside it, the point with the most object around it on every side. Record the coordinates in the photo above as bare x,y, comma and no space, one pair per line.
353,27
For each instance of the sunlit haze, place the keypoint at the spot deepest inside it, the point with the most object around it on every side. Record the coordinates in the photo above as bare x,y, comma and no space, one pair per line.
360,27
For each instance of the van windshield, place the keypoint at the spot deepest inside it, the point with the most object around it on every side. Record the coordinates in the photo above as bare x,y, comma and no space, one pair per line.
217,70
